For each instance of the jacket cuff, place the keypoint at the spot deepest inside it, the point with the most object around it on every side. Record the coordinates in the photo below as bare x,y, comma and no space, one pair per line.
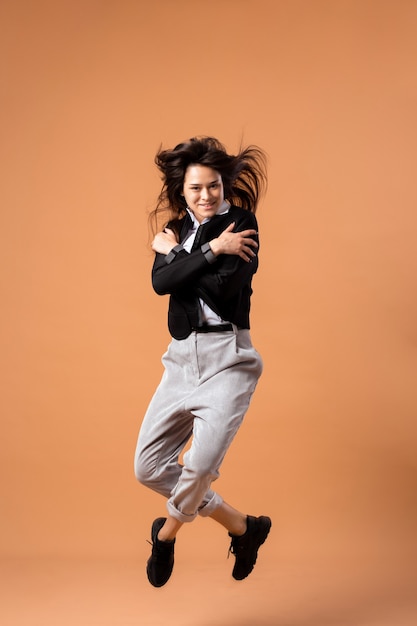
173,253
208,253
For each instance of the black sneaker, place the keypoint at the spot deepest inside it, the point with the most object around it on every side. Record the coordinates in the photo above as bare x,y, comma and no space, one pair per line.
245,547
161,561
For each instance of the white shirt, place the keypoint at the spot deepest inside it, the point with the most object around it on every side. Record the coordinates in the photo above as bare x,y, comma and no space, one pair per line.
208,316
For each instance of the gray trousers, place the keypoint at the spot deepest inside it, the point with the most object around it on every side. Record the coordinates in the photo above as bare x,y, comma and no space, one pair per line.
204,393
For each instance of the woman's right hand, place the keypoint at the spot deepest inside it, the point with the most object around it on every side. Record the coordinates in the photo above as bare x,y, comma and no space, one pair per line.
164,241
239,244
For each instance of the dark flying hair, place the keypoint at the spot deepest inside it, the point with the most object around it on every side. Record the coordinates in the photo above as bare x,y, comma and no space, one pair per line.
243,175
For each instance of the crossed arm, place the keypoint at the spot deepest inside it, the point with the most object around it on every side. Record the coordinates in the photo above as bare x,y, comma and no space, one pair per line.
240,244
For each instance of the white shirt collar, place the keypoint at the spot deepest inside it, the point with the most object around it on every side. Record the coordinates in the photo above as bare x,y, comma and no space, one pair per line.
222,210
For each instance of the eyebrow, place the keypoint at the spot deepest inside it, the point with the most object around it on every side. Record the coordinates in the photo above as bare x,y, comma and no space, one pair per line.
201,184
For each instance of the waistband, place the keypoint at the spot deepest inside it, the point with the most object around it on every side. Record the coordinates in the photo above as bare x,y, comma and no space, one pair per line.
213,328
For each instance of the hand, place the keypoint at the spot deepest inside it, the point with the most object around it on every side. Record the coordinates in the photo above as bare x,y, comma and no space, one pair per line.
164,241
239,244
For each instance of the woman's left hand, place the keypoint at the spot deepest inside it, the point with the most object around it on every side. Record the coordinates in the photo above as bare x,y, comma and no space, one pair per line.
240,243
164,241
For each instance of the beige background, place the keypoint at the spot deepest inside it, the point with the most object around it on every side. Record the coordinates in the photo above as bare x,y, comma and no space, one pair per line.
90,89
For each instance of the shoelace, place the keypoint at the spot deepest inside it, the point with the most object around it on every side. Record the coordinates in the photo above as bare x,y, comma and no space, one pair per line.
161,551
234,547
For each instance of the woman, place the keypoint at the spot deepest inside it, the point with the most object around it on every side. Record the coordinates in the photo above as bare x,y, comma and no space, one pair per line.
205,259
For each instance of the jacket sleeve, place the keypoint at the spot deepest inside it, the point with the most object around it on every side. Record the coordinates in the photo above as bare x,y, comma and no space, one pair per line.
181,273
231,276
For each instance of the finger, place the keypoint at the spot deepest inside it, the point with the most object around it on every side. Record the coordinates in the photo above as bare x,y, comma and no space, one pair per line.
248,232
251,242
249,251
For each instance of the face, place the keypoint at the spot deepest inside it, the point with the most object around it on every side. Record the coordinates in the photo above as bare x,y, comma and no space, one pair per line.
203,191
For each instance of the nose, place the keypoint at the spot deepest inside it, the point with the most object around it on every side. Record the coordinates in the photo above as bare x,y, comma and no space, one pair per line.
205,194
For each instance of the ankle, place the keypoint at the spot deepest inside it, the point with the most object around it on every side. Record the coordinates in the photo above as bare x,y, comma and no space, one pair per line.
169,530
239,528
164,537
